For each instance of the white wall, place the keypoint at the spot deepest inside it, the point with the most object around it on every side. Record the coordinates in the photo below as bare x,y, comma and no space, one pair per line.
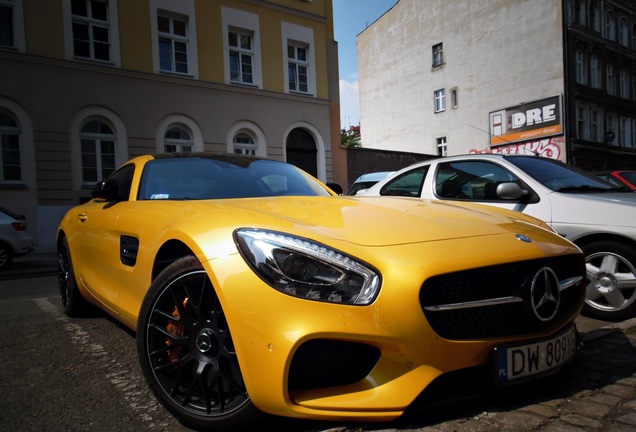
497,53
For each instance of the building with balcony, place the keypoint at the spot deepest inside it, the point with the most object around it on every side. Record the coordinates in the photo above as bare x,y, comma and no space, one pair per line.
86,85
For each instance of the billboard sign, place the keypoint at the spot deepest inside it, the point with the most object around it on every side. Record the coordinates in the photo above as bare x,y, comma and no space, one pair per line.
526,122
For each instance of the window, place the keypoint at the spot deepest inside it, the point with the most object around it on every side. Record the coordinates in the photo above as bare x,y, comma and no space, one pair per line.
595,16
299,59
581,67
10,159
625,133
612,126
473,180
124,177
438,55
6,24
623,83
408,184
596,126
244,144
91,29
623,32
454,100
610,26
173,44
611,80
297,68
442,148
241,56
583,122
440,100
177,140
579,12
595,72
97,143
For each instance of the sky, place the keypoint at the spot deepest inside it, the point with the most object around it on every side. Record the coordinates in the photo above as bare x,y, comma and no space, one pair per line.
351,17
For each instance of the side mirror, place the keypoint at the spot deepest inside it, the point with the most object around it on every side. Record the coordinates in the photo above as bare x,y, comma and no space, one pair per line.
335,187
510,191
106,189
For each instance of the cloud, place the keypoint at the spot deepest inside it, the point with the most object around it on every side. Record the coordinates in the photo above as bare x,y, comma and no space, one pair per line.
349,103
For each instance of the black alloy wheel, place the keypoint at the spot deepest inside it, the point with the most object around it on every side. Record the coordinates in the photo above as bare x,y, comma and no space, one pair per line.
73,303
186,351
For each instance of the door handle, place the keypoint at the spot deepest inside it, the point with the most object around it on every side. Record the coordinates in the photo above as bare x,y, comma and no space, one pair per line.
82,217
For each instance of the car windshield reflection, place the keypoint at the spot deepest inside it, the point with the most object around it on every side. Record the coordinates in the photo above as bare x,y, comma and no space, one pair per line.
198,178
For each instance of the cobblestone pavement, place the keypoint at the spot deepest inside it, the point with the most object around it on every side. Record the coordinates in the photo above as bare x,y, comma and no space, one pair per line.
596,392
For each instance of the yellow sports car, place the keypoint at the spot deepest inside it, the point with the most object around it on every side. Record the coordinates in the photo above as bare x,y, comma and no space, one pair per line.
254,289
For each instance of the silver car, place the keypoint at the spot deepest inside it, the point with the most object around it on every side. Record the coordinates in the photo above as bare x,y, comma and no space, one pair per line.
14,238
594,215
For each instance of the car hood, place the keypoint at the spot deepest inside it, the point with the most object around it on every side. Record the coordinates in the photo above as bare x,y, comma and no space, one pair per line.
607,209
380,221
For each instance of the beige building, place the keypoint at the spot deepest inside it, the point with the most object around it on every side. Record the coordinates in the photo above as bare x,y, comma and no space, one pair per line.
555,78
87,84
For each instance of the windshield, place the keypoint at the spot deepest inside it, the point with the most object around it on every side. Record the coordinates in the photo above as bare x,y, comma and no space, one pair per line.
195,178
558,176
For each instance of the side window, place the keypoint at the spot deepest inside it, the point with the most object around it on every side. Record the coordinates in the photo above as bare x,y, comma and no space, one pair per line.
408,184
471,180
124,177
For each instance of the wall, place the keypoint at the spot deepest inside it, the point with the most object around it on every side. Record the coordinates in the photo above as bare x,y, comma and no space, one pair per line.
498,53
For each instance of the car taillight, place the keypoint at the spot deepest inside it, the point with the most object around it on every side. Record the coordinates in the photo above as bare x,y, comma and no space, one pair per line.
19,226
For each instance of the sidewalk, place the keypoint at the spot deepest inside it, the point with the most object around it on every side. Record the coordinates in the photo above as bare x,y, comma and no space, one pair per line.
31,265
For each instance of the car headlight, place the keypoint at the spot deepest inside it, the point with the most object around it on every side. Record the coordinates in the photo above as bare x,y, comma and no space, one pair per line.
303,268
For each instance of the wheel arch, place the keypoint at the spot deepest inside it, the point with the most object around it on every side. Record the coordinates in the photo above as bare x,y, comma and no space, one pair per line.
597,237
169,252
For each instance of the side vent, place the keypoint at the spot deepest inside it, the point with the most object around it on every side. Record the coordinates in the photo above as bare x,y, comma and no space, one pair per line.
128,250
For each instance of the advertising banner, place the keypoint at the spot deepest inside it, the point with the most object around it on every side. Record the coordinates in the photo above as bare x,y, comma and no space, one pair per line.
526,122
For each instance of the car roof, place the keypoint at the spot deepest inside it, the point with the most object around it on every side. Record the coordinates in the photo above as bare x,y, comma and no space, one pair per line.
374,176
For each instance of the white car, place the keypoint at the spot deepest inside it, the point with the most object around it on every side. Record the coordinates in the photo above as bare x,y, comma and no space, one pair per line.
597,217
14,238
365,181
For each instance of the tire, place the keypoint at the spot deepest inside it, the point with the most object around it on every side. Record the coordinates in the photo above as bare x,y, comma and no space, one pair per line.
6,256
611,281
186,351
73,303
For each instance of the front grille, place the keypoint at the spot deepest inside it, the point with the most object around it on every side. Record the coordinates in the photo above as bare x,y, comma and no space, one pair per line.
495,282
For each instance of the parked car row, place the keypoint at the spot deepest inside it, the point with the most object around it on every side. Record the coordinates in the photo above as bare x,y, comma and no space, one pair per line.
598,217
253,288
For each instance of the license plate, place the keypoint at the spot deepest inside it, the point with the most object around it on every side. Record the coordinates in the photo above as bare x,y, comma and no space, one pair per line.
523,362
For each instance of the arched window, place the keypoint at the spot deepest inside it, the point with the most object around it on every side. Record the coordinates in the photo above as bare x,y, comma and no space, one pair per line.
10,157
623,32
97,142
177,140
244,144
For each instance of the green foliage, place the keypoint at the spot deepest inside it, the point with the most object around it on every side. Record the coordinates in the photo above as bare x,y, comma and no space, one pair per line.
349,141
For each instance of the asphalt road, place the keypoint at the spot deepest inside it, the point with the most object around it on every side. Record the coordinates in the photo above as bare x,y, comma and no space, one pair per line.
63,374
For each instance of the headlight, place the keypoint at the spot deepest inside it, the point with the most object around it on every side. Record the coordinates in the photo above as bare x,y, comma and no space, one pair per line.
303,268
